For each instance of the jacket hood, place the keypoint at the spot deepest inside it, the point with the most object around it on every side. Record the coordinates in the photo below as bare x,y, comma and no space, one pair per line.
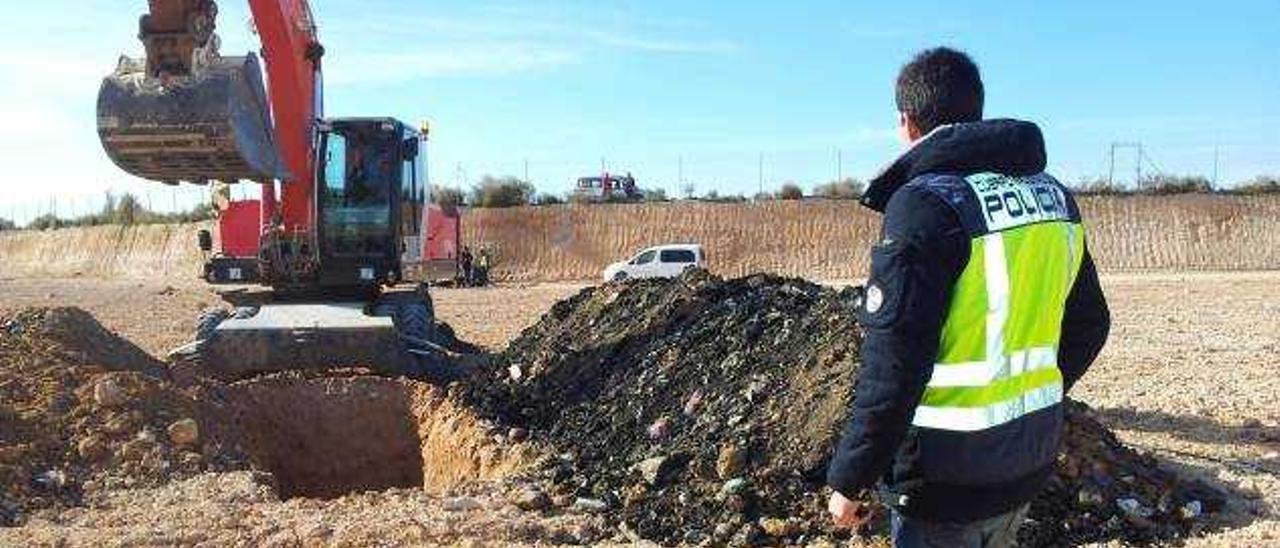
1010,147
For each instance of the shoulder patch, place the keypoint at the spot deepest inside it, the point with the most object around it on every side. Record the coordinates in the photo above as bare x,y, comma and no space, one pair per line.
873,299
882,297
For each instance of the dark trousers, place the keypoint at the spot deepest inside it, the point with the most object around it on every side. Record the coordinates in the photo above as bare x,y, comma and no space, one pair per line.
997,532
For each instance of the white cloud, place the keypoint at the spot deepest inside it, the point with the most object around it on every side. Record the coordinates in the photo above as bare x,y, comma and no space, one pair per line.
497,42
460,60
658,45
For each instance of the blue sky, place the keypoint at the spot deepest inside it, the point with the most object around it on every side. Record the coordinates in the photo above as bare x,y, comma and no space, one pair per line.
642,85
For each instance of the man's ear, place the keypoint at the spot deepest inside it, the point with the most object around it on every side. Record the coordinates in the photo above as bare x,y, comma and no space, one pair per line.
907,129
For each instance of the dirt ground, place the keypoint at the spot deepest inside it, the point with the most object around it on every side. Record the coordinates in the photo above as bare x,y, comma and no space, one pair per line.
1189,373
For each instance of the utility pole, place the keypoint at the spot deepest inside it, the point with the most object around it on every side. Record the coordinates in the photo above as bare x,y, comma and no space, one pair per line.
603,166
1215,166
839,165
680,174
1139,166
526,170
1111,172
760,176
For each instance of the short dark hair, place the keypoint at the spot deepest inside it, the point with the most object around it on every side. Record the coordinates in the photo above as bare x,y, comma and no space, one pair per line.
940,86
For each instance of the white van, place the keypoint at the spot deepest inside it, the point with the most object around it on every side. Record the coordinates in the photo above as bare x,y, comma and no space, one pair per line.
664,261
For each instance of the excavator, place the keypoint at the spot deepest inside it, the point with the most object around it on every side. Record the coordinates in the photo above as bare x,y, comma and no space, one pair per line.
338,237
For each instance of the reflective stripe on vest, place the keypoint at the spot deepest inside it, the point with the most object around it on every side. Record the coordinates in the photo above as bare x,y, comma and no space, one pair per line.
997,360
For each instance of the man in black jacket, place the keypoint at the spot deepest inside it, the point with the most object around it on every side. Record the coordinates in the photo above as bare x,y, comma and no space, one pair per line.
982,309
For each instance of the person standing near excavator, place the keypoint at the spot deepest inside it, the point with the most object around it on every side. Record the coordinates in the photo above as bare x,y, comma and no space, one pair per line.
983,308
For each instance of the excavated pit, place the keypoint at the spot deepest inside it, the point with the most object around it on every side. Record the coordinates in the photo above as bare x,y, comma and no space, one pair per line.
328,436
83,409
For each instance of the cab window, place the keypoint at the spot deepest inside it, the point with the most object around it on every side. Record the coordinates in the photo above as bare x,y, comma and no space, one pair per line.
410,198
645,258
678,256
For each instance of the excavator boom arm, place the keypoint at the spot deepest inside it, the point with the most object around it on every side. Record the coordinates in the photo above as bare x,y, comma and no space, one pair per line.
292,50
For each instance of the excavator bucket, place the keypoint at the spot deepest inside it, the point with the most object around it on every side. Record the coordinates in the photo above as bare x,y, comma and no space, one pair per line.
214,125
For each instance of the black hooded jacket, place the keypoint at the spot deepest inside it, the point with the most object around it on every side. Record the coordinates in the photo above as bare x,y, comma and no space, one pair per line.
926,473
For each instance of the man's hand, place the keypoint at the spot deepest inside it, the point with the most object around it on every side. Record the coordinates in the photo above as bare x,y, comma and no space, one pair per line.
846,513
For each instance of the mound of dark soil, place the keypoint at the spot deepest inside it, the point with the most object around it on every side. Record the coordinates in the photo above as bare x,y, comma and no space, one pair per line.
702,409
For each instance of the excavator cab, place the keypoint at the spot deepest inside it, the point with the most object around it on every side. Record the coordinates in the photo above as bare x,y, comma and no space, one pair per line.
371,188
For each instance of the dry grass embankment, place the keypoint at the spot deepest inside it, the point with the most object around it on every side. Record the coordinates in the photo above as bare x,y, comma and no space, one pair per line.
160,251
829,239
816,239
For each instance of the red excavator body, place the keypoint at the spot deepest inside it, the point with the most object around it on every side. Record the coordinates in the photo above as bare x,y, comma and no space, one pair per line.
342,221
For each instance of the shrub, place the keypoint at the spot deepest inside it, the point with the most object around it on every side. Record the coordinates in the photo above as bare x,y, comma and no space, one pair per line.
715,196
502,192
1098,187
844,189
655,195
1161,184
48,221
548,198
447,197
1262,184
790,191
124,209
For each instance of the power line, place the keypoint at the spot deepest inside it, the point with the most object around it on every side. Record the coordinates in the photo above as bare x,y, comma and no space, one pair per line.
1111,171
1142,155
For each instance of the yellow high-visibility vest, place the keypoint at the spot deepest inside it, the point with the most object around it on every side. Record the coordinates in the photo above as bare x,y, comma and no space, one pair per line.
998,354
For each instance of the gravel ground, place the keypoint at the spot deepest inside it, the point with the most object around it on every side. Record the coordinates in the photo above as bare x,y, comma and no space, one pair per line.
1190,373
235,509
